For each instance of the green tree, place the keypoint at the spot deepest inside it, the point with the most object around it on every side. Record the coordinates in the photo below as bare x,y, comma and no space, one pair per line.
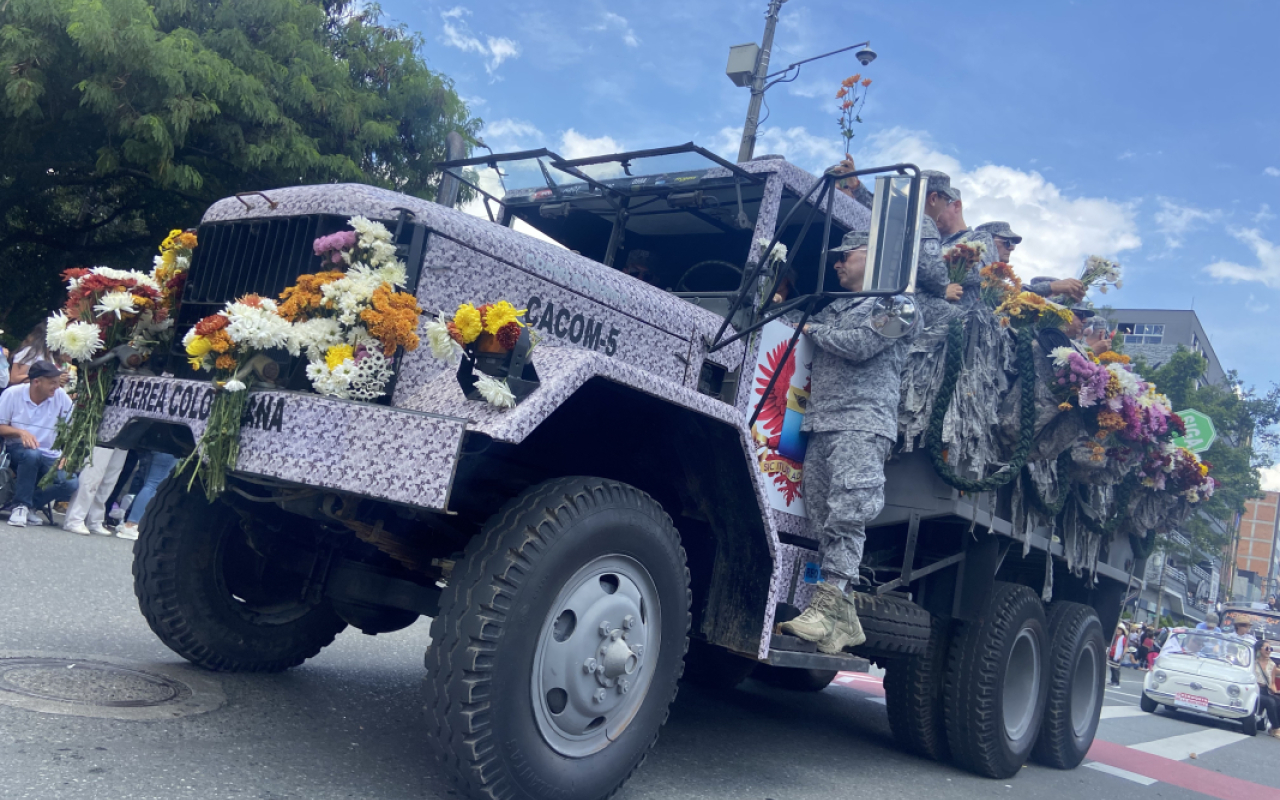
122,119
1246,424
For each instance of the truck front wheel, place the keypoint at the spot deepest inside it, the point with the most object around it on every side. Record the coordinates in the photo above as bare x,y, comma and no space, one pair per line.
1076,664
212,598
996,683
559,643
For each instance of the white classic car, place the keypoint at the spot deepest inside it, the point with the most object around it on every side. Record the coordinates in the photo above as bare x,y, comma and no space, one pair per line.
1210,673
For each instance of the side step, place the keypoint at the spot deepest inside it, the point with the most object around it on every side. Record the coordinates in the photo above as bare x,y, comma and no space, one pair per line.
788,651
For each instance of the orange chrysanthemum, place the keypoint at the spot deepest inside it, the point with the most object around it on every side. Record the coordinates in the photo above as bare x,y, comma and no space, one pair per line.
220,341
225,362
866,82
393,319
1112,357
300,301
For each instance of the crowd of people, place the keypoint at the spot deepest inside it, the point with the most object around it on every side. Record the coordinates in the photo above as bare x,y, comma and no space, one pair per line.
38,388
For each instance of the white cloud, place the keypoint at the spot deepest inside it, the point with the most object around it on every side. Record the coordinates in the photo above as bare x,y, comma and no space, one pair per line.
1175,221
617,22
1058,231
1270,478
494,49
1272,171
814,153
575,145
1255,306
508,135
1267,270
1264,214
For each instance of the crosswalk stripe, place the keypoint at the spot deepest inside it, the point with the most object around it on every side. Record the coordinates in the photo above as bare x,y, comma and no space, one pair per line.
1121,773
1117,712
1180,748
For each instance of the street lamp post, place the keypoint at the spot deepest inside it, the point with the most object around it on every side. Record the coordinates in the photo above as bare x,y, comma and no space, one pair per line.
760,76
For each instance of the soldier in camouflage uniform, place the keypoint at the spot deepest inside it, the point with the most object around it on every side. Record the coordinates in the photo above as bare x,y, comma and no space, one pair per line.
1006,240
852,421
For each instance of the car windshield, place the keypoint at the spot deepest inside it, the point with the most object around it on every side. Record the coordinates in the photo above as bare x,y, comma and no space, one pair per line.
1208,645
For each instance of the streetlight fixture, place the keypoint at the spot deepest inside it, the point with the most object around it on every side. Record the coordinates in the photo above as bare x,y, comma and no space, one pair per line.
749,66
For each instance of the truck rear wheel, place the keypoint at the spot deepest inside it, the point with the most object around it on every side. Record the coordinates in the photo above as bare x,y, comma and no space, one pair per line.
996,683
211,598
913,697
560,642
1077,659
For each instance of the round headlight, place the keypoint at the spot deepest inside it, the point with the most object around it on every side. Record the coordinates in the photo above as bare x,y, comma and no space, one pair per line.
1160,676
1233,690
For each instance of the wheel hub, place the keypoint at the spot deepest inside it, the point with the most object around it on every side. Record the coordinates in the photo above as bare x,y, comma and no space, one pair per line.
591,670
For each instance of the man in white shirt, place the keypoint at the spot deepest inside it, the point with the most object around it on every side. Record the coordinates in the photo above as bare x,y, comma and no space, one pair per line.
29,415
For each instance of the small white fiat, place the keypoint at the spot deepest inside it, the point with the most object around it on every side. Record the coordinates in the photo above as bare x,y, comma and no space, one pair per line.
1209,673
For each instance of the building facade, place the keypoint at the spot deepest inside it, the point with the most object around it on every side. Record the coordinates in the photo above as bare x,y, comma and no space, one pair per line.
1257,557
1155,334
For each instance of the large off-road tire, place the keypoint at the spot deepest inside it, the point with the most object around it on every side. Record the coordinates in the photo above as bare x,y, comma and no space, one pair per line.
996,683
795,679
895,627
521,700
714,667
913,691
211,598
1077,668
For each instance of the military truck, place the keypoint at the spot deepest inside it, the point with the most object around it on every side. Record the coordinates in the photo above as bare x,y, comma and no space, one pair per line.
636,516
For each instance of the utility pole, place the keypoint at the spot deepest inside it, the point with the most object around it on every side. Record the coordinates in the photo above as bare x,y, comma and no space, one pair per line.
748,146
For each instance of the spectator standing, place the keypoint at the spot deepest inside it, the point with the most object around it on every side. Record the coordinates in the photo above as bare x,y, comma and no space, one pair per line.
161,466
1115,654
29,415
1264,670
87,512
32,349
1144,647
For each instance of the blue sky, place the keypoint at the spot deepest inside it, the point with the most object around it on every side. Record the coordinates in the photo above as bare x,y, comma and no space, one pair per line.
1141,131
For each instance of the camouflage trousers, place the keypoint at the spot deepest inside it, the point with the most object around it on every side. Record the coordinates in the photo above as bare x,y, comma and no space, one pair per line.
843,490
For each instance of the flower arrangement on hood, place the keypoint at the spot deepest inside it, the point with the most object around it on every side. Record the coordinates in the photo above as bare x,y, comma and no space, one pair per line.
349,320
105,308
226,344
1132,419
488,328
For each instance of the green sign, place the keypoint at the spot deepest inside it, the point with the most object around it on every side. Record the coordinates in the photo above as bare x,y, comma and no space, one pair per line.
1200,431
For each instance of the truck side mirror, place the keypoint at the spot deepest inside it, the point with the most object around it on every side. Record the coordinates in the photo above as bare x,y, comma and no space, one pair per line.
893,251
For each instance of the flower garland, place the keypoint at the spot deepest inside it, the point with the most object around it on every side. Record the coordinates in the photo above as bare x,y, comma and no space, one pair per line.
489,328
351,323
105,308
225,344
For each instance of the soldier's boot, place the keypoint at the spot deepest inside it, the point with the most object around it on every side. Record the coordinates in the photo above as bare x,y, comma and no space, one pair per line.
846,629
815,624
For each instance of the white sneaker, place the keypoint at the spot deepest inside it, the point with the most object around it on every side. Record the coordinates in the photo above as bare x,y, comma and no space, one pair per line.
18,517
101,530
76,527
129,530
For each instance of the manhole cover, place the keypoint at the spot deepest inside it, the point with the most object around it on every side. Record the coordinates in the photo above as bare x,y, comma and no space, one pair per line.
104,687
88,683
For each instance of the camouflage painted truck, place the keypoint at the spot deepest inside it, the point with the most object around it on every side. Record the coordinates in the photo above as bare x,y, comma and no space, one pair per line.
634,517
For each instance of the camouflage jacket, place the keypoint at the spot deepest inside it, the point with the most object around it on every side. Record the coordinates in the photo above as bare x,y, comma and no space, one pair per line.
972,282
931,274
856,374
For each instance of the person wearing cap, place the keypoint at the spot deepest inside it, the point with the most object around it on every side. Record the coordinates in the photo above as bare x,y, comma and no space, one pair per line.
1006,240
945,205
1210,623
851,419
29,415
931,273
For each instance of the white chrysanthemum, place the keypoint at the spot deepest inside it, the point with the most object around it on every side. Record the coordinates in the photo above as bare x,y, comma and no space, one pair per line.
141,278
369,231
181,263
777,255
314,337
118,303
54,330
443,345
381,252
495,391
258,328
156,263
234,386
1061,356
81,340
329,383
369,377
1127,380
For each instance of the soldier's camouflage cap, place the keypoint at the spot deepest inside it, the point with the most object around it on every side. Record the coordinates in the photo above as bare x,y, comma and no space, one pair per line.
852,241
1000,229
940,182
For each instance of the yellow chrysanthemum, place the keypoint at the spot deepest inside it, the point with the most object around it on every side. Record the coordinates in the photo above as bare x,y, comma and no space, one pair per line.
337,354
467,321
501,314
198,347
196,363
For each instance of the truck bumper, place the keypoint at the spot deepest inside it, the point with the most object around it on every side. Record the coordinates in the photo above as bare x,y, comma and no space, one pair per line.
376,451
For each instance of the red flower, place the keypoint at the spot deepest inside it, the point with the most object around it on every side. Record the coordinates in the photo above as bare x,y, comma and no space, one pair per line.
508,335
211,324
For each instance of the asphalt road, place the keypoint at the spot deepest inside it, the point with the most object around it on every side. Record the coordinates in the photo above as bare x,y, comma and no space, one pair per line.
347,724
